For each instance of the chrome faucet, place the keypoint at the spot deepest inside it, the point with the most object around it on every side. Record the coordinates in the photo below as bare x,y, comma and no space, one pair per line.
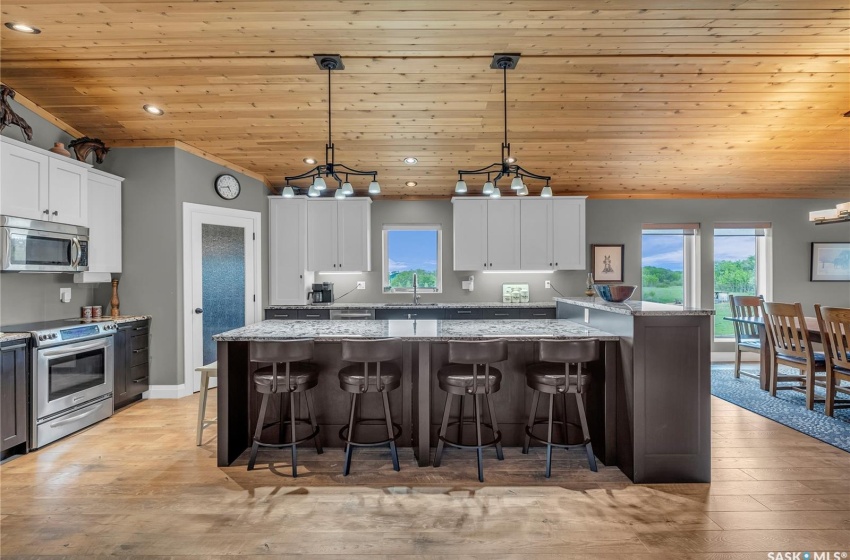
416,295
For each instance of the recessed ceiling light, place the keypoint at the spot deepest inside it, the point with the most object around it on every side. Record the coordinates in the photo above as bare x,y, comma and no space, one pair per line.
410,160
23,28
309,160
153,110
411,183
510,159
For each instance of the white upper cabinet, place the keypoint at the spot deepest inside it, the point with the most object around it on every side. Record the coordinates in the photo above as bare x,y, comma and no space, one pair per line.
104,214
568,223
470,233
519,233
289,280
503,234
536,237
68,192
338,235
486,234
23,182
40,185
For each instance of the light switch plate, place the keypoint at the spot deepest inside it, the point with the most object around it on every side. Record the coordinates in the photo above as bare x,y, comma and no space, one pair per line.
65,295
361,285
547,284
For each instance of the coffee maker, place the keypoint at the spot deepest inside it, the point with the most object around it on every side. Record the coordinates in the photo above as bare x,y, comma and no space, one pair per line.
322,293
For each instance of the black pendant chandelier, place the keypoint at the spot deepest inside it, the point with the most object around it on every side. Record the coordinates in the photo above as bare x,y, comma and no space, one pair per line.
507,167
336,171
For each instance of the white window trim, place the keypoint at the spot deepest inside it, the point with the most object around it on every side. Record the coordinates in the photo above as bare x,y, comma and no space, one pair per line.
691,267
385,272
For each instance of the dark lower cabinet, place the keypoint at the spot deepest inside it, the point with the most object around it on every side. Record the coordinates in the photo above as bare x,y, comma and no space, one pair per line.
13,397
537,313
497,313
132,359
443,313
419,313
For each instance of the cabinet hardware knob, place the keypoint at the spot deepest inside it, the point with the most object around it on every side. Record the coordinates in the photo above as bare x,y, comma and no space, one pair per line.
556,264
46,212
550,264
491,265
198,310
56,212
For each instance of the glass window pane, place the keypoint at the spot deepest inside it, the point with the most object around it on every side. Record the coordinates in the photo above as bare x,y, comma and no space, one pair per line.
734,273
409,252
662,266
223,277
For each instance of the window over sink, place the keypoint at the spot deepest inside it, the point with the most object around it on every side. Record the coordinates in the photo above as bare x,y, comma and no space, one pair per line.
412,249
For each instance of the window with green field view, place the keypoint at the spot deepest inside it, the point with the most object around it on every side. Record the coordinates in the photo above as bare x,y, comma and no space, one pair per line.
410,250
740,268
668,264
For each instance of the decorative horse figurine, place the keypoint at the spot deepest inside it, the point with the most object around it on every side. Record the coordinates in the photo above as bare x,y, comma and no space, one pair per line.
84,146
8,116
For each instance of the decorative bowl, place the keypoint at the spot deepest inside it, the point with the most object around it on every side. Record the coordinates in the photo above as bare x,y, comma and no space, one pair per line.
614,292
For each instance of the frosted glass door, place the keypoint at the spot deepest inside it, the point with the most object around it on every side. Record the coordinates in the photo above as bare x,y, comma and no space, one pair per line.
223,282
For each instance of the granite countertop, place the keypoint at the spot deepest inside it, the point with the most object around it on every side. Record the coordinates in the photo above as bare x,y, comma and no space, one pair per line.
129,318
634,307
402,305
10,336
415,330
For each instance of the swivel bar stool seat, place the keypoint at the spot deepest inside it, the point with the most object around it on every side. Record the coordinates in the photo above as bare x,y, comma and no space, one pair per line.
469,374
372,370
287,372
560,372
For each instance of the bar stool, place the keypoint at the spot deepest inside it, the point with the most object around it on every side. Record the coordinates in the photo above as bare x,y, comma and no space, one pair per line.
207,371
372,370
462,377
553,377
297,377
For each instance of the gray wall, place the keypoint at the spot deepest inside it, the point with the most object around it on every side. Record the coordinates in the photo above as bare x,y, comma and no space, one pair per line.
35,297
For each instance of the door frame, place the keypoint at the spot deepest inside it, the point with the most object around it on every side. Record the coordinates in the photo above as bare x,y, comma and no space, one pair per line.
190,208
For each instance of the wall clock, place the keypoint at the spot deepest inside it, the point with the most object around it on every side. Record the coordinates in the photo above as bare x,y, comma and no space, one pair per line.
227,186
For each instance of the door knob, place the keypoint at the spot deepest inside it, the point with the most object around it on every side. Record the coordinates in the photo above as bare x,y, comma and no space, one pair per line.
198,310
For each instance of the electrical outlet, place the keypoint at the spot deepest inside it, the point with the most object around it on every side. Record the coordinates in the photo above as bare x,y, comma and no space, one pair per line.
65,295
361,285
547,284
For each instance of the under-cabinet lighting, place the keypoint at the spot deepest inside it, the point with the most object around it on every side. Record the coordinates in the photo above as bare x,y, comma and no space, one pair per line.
331,272
517,271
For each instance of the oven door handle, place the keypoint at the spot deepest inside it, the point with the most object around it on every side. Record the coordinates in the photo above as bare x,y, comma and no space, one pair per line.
72,349
75,418
76,261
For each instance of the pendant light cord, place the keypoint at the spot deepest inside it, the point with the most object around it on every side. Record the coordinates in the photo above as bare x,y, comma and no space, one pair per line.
329,106
505,97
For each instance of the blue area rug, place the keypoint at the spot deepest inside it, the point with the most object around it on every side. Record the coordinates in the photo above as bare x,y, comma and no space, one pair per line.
788,407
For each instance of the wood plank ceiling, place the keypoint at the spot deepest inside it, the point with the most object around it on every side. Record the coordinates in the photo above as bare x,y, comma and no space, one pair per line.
614,98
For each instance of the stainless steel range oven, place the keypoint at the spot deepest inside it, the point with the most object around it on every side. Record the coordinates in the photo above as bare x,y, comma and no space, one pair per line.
73,366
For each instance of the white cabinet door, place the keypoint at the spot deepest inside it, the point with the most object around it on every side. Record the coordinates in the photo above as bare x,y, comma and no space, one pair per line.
536,243
104,216
470,234
68,193
23,183
503,234
354,235
569,234
288,277
322,237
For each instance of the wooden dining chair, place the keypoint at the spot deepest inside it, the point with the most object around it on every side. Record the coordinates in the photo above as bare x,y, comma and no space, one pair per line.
834,323
789,339
746,334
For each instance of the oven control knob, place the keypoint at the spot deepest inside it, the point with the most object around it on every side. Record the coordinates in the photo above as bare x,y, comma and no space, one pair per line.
41,337
54,335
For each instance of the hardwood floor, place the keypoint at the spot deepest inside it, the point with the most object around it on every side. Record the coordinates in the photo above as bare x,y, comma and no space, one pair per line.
136,485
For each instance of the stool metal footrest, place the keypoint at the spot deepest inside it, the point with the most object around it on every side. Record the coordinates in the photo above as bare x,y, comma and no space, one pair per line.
343,433
497,437
530,433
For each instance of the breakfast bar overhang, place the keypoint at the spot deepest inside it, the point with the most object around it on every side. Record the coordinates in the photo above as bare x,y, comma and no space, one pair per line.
611,400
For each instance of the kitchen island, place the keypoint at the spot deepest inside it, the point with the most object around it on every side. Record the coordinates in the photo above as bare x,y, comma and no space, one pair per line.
418,403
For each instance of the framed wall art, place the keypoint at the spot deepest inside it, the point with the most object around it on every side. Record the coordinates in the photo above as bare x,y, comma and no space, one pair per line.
830,262
606,263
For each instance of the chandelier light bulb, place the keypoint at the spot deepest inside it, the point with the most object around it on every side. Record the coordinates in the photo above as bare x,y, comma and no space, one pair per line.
347,189
496,193
288,192
488,188
374,188
339,195
546,192
523,191
460,187
312,191
320,184
516,183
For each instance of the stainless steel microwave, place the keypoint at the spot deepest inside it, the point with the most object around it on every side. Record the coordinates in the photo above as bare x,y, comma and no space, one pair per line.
37,246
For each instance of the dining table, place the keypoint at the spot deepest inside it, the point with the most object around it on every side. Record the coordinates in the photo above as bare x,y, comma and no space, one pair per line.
766,354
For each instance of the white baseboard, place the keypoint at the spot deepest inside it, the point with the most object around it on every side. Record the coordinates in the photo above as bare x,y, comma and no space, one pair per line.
730,357
167,391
